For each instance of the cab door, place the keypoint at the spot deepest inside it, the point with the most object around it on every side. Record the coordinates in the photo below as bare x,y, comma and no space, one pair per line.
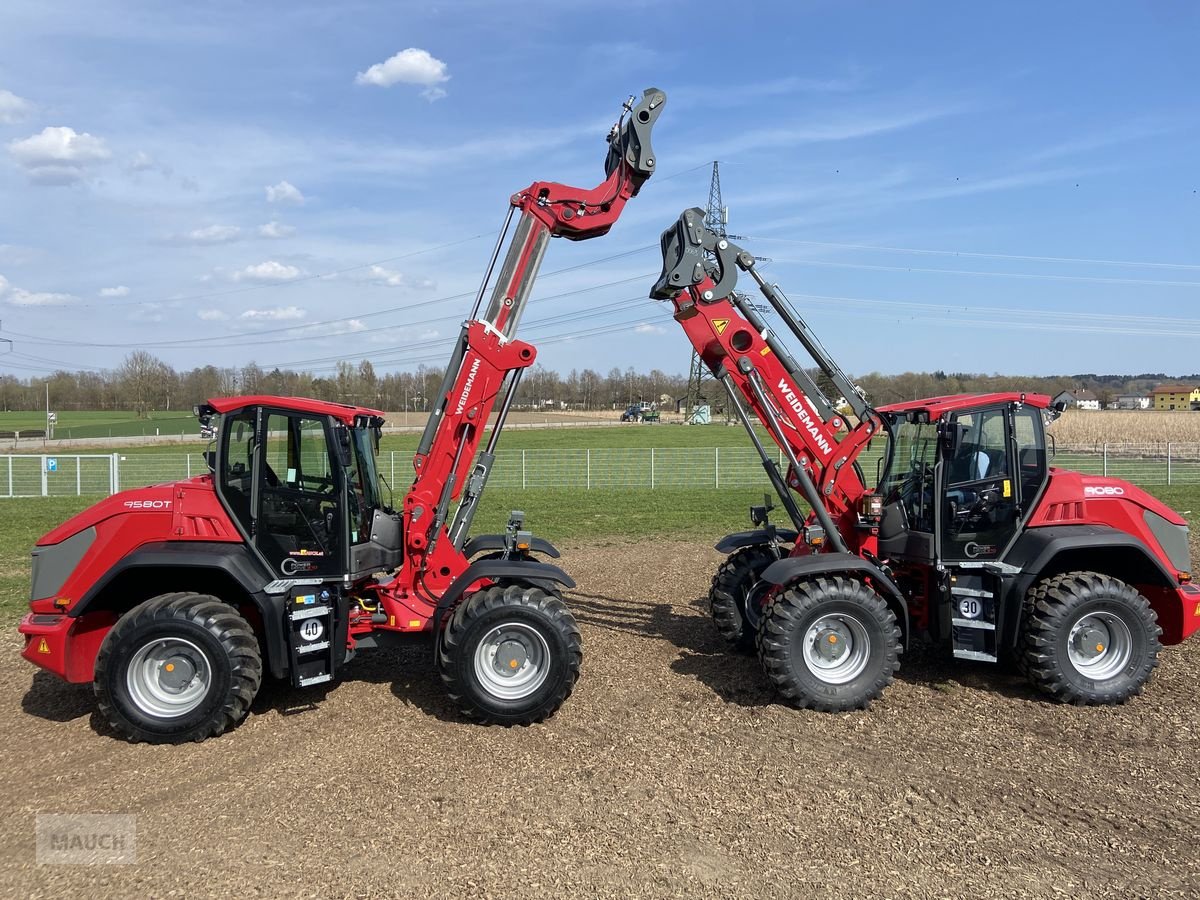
979,512
299,527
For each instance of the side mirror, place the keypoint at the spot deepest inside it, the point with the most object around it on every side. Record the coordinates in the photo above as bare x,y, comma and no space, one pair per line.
341,446
949,435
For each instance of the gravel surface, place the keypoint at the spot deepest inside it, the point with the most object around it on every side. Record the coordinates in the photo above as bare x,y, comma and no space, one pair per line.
672,771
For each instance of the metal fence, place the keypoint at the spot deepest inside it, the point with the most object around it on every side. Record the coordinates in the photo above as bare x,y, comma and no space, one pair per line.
659,468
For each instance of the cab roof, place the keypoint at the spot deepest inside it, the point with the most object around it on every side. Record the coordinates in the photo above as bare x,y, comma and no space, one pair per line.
938,406
340,411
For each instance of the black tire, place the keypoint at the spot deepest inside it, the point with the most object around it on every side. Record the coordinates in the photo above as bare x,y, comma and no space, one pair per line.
1097,608
731,585
524,624
855,616
199,630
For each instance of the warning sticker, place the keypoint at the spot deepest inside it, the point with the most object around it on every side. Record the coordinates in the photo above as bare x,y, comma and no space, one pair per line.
43,646
1007,488
720,325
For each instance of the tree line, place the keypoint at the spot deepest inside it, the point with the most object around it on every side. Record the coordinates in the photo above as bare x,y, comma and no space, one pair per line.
143,383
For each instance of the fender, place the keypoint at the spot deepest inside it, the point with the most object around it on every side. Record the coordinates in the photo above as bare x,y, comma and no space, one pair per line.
785,570
1035,550
234,560
543,575
540,574
496,542
739,539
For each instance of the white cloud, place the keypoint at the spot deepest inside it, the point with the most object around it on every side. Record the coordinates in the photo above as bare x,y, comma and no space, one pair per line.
15,296
284,192
275,230
275,314
380,275
211,315
58,155
268,271
211,234
119,291
646,328
142,162
13,109
391,278
411,66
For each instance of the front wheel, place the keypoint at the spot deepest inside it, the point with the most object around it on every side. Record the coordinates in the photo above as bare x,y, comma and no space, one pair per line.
1088,638
179,667
736,595
510,654
829,643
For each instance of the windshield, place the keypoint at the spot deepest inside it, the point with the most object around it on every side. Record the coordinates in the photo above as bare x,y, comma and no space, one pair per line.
908,476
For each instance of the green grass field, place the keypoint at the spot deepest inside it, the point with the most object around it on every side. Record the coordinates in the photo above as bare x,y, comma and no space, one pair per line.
98,423
558,514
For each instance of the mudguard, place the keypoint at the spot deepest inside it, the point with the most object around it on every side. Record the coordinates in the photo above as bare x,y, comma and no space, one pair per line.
740,539
541,574
784,570
234,560
1036,549
494,542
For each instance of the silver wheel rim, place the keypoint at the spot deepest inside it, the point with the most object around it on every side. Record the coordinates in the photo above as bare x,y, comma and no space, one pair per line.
836,648
1099,646
512,661
168,677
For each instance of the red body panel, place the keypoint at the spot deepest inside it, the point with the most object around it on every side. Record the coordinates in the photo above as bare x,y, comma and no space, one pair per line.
343,413
182,511
938,406
1072,498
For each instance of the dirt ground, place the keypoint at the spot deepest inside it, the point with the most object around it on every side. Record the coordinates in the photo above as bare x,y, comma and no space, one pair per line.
672,771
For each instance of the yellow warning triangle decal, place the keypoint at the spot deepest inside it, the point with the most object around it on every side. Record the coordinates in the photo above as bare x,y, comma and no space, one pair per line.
720,325
43,647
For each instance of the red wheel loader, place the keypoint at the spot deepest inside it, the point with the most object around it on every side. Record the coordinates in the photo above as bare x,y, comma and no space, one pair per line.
963,535
287,559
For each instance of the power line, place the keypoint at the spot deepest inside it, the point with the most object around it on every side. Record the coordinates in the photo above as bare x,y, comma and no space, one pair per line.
282,284
1095,279
1008,256
224,338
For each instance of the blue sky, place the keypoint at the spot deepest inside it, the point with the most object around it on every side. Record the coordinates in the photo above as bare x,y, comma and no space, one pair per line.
1010,188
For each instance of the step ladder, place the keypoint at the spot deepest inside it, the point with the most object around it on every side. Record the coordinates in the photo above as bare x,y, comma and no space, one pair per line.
973,615
311,638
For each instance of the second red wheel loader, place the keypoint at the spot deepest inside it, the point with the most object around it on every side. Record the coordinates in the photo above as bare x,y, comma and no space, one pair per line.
964,534
287,559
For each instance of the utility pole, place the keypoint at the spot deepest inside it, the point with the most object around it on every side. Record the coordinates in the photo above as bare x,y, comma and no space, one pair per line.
716,217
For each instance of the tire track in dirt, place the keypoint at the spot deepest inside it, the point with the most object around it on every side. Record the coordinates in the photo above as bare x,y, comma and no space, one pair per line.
672,771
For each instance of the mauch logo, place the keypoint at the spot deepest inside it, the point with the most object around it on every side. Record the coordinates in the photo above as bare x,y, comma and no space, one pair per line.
1107,490
86,840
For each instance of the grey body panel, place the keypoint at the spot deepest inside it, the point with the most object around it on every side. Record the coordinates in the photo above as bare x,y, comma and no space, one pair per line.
53,564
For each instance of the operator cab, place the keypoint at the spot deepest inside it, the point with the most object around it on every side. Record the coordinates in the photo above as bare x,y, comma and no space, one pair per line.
298,478
961,474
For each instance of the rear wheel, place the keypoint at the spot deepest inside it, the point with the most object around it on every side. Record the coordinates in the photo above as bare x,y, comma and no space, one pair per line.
736,595
1088,639
510,654
829,643
179,667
